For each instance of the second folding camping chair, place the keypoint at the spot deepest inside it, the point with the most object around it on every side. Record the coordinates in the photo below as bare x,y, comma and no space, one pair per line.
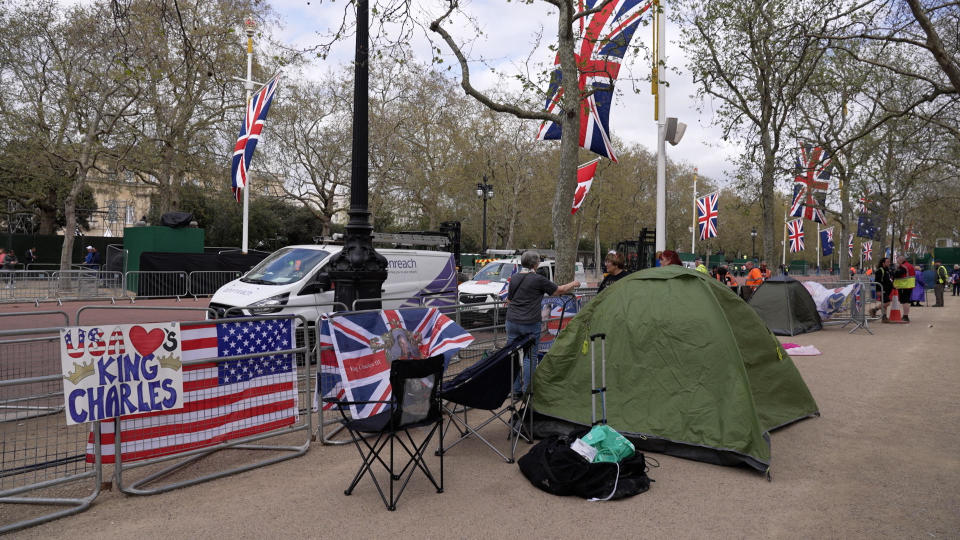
414,403
486,385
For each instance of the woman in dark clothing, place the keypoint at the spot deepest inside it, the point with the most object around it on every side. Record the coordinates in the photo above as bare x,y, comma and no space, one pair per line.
885,280
614,264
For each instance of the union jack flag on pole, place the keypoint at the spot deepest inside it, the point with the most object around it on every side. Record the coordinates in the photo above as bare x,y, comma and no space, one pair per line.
253,121
850,245
606,36
795,235
708,208
363,345
811,182
867,248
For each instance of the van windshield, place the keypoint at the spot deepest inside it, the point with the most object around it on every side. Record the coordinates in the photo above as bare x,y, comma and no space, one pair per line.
496,272
286,265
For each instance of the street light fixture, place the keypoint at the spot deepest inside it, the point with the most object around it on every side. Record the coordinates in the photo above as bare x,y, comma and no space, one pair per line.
753,237
485,192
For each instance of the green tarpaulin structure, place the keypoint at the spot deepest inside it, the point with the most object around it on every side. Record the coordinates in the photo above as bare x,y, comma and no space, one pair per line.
689,365
786,307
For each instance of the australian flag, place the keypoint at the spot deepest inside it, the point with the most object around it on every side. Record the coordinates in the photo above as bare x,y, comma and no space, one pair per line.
865,226
606,36
357,350
253,120
826,241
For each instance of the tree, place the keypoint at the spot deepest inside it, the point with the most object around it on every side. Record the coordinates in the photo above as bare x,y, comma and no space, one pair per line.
78,87
567,15
754,58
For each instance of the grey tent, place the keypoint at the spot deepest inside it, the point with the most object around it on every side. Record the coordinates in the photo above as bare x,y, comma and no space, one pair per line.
786,307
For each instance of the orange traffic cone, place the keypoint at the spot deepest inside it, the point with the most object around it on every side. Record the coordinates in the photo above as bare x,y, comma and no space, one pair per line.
896,314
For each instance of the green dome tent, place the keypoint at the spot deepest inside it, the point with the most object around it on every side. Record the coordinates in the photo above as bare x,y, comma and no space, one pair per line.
690,366
786,307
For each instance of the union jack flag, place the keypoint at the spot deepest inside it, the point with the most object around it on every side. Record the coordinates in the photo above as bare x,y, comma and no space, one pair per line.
708,208
253,120
795,234
356,366
850,246
606,36
908,240
585,174
809,189
867,248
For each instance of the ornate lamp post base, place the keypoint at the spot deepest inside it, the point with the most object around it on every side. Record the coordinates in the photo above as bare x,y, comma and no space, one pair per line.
358,272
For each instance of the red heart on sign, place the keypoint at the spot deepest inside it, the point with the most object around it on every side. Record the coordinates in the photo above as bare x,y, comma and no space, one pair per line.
146,342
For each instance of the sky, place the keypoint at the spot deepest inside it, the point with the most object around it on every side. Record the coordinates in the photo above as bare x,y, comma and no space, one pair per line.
509,30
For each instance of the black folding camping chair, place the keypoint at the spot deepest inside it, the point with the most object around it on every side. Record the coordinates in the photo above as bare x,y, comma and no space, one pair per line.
414,403
485,386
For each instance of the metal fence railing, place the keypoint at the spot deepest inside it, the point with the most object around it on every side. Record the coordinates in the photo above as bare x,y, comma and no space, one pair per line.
207,282
43,466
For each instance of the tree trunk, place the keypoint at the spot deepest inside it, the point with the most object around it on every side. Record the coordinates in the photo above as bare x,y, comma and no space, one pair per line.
70,213
767,202
48,212
564,242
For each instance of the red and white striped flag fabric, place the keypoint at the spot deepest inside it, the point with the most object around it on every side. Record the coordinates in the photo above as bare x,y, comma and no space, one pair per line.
223,400
585,174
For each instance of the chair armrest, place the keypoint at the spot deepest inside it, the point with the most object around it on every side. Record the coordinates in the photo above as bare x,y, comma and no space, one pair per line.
344,402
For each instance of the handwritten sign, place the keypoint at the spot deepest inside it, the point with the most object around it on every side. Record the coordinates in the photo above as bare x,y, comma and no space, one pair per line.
116,370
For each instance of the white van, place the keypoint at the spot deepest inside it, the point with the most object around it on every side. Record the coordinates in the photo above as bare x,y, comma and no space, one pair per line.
294,280
490,283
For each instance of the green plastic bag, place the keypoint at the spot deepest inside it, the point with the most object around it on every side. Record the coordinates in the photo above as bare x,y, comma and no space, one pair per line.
611,446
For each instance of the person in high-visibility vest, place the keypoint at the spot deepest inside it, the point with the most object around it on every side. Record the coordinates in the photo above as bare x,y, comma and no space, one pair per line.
754,279
701,267
941,282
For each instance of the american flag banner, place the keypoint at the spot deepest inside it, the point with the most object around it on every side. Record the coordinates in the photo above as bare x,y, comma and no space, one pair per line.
811,182
363,345
708,208
850,246
253,121
867,249
795,235
585,174
826,241
223,400
606,35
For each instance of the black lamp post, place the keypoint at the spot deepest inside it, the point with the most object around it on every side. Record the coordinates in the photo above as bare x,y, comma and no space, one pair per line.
753,237
485,192
358,271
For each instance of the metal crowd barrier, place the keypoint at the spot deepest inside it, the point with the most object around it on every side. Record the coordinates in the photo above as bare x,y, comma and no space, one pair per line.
248,442
856,307
149,284
42,460
207,282
84,284
25,284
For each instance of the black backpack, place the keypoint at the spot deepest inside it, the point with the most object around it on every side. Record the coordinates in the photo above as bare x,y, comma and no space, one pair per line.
554,467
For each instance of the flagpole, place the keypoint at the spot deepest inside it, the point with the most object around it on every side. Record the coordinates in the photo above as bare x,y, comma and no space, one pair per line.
818,245
249,29
784,250
660,115
693,230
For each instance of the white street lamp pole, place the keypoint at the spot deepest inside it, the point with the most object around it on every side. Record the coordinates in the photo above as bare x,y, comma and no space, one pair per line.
693,230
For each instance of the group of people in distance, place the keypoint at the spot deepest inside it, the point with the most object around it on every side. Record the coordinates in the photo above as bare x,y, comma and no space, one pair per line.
906,282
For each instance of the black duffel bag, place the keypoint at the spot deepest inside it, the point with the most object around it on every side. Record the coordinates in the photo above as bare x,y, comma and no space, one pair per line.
554,467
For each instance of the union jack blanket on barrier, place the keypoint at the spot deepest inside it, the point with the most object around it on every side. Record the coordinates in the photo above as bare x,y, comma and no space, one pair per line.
357,351
606,36
222,400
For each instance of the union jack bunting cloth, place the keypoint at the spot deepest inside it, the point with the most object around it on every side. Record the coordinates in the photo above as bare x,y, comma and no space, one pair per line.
606,36
585,174
826,241
222,400
363,345
795,235
811,182
867,248
708,208
850,246
253,121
